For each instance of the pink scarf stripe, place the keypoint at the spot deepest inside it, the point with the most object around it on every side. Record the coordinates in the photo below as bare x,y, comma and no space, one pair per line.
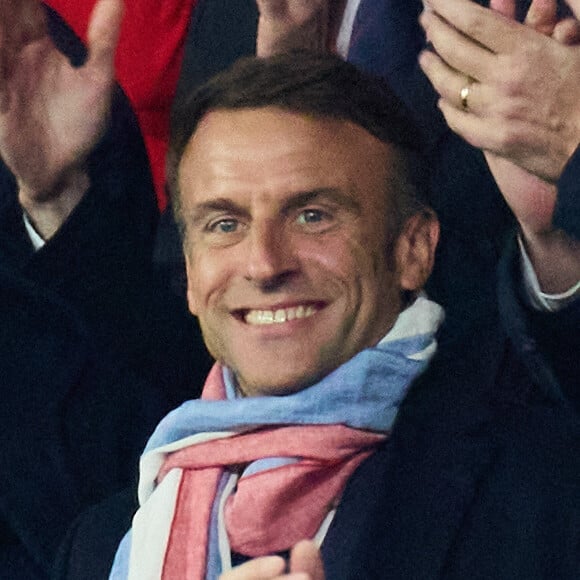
214,389
318,442
301,496
257,513
186,554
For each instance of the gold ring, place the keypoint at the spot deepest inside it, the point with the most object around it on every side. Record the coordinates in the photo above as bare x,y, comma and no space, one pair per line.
464,94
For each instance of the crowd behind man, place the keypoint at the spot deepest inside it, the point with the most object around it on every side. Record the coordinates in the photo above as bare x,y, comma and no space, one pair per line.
531,372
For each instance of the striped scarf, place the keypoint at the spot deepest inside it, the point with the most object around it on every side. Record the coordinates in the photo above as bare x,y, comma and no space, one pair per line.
255,475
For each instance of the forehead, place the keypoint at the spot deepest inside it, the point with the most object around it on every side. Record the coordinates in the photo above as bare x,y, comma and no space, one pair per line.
269,149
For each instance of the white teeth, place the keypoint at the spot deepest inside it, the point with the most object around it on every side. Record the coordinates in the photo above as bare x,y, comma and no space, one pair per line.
309,311
278,316
266,317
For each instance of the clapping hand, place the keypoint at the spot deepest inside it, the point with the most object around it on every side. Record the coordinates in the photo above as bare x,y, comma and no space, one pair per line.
51,113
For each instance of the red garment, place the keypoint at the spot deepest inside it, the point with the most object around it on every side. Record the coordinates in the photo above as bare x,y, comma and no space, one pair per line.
148,63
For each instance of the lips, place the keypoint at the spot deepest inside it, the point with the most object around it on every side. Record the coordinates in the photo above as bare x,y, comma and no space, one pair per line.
279,315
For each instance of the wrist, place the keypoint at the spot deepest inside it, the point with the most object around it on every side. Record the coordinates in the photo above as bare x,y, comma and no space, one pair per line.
48,210
555,257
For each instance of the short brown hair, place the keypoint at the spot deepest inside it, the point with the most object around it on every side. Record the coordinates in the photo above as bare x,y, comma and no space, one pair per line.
314,84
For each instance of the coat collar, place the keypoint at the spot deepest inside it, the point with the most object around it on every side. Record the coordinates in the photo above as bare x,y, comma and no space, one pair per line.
404,507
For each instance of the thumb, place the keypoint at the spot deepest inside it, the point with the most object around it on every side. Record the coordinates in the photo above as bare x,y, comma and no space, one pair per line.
103,37
305,558
272,8
567,31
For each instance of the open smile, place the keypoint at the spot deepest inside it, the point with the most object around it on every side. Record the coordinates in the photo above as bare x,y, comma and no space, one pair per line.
257,317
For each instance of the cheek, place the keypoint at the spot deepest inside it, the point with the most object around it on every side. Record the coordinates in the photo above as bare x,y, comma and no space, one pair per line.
338,252
356,258
206,276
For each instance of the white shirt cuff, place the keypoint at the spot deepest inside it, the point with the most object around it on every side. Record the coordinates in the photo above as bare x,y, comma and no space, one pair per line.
538,299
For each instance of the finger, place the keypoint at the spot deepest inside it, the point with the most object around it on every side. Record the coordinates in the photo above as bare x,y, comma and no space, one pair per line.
467,126
103,36
293,11
542,16
450,84
489,28
265,568
567,31
505,7
32,21
458,51
7,59
574,6
305,558
478,131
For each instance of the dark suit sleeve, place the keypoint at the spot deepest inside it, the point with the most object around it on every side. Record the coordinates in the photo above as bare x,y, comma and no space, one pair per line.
386,42
73,423
91,543
567,214
547,343
543,336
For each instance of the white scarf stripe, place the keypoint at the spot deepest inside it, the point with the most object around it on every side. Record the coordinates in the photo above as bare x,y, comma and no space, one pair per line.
149,542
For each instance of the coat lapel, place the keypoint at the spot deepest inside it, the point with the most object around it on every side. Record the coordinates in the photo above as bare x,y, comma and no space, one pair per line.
403,508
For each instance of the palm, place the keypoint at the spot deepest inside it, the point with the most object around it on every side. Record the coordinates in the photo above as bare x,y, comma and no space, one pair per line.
52,113
52,118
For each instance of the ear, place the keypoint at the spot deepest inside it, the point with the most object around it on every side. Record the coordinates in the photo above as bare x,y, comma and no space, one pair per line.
191,298
415,249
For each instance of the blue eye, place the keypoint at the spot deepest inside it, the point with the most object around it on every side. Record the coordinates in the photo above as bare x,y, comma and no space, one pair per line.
225,226
311,216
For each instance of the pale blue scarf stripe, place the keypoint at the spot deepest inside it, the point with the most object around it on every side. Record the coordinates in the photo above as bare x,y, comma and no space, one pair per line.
363,393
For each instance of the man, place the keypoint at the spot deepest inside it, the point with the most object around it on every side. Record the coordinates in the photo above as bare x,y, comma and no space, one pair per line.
306,248
70,271
387,40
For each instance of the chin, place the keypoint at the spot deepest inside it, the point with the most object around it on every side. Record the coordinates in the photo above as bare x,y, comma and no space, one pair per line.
276,387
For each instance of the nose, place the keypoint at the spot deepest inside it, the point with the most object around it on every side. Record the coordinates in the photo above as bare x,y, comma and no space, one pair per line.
270,258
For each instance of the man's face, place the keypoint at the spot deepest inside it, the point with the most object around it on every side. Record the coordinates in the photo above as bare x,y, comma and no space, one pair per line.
286,244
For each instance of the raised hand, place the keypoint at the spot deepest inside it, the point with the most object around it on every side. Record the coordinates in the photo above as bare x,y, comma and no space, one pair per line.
523,90
289,24
516,183
514,92
51,113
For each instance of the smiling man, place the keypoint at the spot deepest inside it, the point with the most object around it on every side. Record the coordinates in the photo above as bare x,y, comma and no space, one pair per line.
298,191
286,240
